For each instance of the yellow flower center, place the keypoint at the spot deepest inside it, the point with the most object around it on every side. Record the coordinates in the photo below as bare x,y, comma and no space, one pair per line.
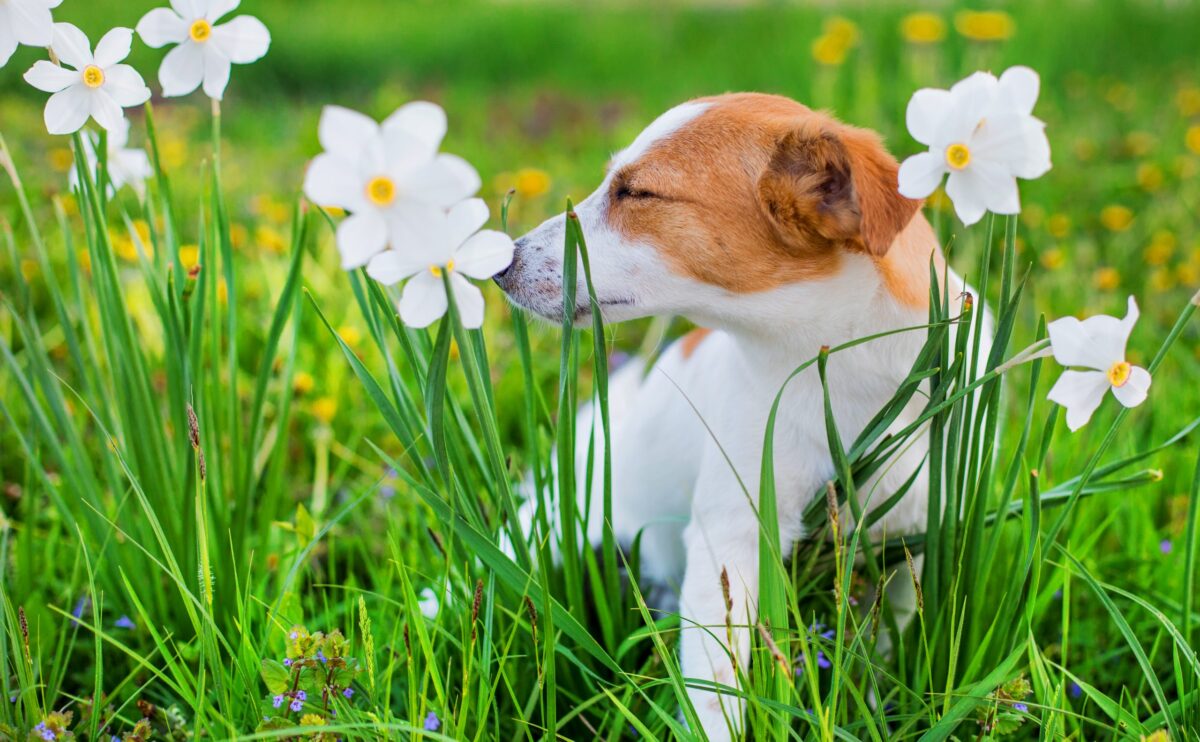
958,156
437,270
93,76
200,31
381,191
1118,375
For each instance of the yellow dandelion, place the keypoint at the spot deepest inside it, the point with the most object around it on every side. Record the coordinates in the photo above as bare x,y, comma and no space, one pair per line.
923,28
1084,148
238,234
189,256
1188,274
312,720
1188,101
123,246
85,261
1192,139
1116,218
842,30
531,182
173,150
142,229
985,25
1162,279
1188,167
1161,247
1149,176
222,292
1033,216
829,51
29,269
61,159
1053,259
302,382
350,335
1139,143
1107,279
270,240
70,206
1059,225
1121,97
324,408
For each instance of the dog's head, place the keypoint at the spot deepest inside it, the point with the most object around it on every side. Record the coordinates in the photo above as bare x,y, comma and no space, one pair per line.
721,199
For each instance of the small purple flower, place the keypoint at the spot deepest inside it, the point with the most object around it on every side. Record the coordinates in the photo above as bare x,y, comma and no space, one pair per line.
277,701
1076,691
321,656
823,661
348,692
81,605
43,731
432,722
297,705
1166,546
301,695
294,635
12,697
1058,594
387,492
1024,709
125,622
287,661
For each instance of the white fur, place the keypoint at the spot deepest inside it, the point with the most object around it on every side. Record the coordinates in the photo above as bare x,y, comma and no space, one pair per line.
672,479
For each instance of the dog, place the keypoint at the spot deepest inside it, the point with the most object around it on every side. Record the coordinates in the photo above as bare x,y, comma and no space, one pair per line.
778,230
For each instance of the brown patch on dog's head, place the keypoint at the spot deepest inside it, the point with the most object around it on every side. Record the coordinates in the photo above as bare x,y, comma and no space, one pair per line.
759,191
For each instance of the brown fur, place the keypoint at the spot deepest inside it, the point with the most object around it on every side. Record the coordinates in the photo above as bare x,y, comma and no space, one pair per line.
760,191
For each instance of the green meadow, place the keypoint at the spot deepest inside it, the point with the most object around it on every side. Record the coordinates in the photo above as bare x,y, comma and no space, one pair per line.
229,474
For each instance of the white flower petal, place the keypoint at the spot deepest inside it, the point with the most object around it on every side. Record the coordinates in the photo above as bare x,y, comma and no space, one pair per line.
68,110
968,194
8,39
216,74
1134,391
998,185
423,300
464,219
125,86
444,181
360,237
244,39
920,174
1018,90
219,8
189,10
1096,342
72,45
469,300
49,77
428,604
105,110
113,47
422,120
32,23
422,229
393,266
345,133
926,109
1081,392
119,138
1015,141
130,167
404,153
484,255
970,100
331,181
182,70
162,26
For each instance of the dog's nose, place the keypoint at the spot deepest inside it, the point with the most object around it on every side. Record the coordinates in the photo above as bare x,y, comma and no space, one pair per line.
499,277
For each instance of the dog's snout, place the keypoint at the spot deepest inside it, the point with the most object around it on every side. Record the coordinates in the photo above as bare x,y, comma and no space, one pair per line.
500,278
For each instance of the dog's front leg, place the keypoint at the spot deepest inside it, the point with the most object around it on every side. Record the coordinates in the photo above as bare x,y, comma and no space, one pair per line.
722,537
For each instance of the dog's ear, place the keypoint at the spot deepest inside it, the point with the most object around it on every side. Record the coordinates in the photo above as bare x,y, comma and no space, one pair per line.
837,185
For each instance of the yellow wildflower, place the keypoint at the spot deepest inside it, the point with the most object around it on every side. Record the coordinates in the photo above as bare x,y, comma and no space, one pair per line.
189,256
270,240
1188,274
828,51
923,28
312,720
1161,279
842,30
350,335
1033,216
1159,736
173,150
1116,218
1161,247
302,382
1053,259
29,269
324,408
1192,139
1188,167
238,234
1059,225
1121,97
1139,143
61,159
985,25
1188,101
531,182
1085,149
1107,279
85,261
1149,176
222,292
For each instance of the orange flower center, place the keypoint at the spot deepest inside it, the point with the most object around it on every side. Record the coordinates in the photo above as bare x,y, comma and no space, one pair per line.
200,31
381,191
958,156
1118,375
93,76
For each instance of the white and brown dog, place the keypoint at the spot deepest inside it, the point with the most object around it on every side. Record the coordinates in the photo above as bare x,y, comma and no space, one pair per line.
782,230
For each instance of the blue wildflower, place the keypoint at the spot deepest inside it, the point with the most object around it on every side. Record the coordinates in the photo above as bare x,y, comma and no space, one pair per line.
287,661
43,731
321,656
1166,546
1076,691
1024,709
297,705
81,605
301,695
348,692
823,661
432,722
277,701
125,622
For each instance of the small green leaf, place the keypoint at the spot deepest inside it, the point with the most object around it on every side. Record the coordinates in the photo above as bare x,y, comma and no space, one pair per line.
276,676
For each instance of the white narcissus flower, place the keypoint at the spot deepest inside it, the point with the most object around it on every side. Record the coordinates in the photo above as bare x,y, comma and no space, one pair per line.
448,244
25,22
1096,344
206,51
390,177
983,133
98,86
126,166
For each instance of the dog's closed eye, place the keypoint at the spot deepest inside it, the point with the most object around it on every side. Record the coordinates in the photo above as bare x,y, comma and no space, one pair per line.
625,190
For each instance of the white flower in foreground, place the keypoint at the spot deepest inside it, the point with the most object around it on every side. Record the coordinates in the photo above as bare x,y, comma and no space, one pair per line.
983,133
1098,345
25,22
448,244
428,604
205,51
126,166
98,86
390,177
